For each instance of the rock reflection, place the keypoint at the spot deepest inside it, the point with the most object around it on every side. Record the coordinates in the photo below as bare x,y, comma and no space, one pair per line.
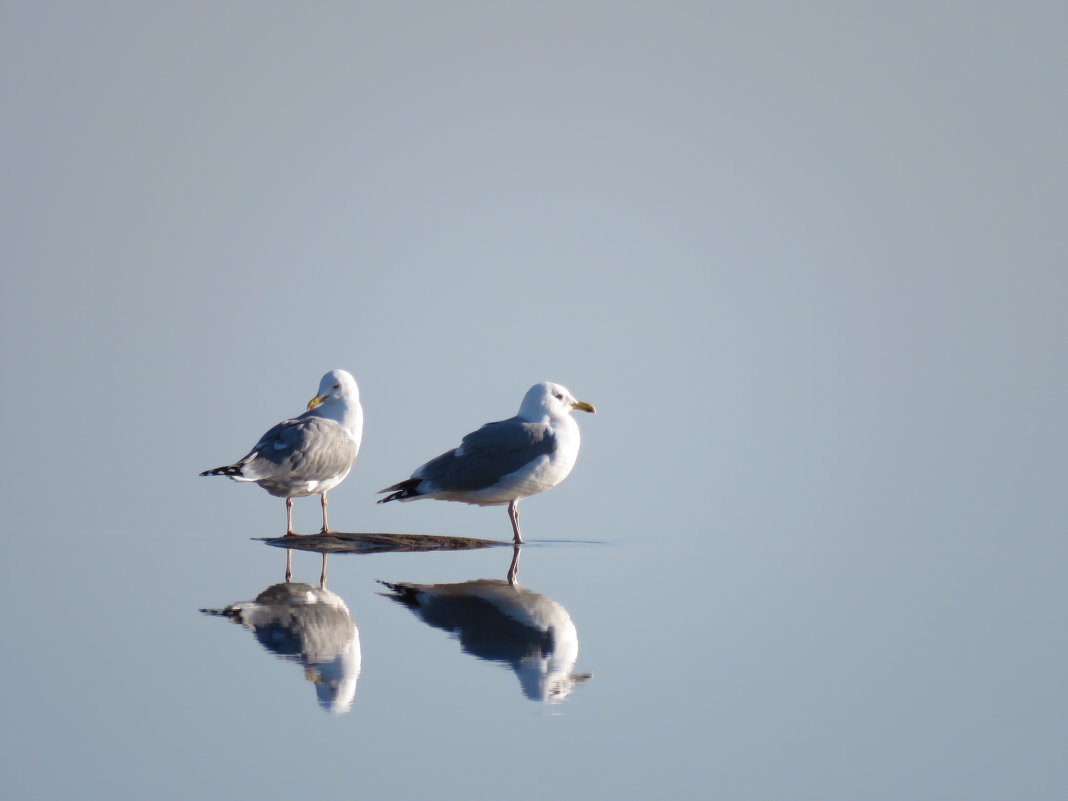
311,626
500,621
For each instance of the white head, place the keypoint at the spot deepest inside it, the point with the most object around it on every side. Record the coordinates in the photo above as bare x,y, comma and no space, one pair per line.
335,681
550,400
336,385
339,399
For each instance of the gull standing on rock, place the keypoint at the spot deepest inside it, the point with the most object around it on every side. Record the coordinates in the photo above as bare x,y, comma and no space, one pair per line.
504,462
310,454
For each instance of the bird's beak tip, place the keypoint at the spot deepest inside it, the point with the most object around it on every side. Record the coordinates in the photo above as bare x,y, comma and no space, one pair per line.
582,406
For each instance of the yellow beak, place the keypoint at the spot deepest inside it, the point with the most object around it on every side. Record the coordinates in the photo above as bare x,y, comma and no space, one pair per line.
582,406
316,401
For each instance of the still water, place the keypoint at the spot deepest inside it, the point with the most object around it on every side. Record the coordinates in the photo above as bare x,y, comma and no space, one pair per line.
496,620
607,668
806,260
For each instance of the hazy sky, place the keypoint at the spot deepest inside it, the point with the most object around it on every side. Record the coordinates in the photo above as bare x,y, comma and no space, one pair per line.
807,259
748,213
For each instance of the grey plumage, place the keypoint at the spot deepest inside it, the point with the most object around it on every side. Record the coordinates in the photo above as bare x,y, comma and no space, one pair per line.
494,450
306,448
505,623
309,454
504,462
312,627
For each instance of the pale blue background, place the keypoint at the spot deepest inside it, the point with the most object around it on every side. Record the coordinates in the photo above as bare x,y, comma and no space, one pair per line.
808,260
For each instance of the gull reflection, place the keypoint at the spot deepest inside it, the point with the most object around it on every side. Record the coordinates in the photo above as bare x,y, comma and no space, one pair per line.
311,626
503,622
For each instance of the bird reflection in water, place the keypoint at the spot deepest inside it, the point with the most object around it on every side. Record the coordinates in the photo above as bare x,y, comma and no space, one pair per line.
503,622
311,626
289,567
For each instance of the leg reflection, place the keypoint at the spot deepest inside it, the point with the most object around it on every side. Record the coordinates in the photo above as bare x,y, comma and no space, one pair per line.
513,569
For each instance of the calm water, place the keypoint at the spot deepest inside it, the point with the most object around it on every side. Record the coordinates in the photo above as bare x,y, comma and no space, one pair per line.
655,666
808,262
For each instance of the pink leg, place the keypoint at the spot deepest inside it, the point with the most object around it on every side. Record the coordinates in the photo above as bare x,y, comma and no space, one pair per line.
289,518
513,515
513,569
289,564
326,526
322,576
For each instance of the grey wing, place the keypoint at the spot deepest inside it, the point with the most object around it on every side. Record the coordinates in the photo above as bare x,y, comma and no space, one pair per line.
302,449
486,455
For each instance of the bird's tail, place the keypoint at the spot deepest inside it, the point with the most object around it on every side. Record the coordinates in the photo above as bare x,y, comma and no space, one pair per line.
229,612
229,470
402,491
406,594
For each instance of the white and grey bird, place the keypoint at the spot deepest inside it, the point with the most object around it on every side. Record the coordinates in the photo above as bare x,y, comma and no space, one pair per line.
505,623
309,454
506,461
311,626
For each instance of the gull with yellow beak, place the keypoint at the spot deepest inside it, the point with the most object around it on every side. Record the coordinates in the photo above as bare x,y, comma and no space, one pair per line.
504,462
309,454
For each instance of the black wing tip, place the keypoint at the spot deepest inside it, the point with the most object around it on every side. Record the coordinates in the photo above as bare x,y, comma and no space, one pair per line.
228,470
400,592
402,490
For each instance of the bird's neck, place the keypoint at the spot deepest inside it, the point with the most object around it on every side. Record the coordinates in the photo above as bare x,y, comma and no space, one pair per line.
347,416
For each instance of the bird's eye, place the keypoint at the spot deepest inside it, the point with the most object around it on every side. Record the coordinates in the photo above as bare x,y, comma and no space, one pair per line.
558,396
337,386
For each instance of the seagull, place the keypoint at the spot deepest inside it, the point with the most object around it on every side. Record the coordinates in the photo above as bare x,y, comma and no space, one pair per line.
311,626
506,461
309,454
502,622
